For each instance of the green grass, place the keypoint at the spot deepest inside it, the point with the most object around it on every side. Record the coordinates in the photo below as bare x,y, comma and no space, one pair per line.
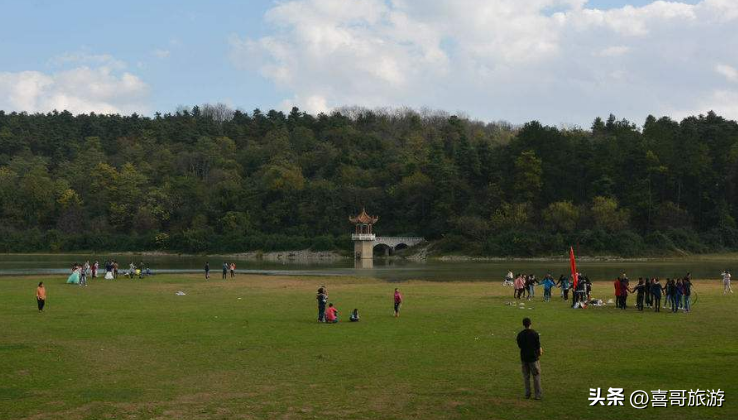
131,349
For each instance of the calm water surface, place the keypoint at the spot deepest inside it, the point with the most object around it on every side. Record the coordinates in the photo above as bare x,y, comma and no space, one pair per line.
391,270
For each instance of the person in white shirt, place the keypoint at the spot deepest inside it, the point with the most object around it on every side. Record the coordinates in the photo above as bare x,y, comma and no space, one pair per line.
726,282
508,279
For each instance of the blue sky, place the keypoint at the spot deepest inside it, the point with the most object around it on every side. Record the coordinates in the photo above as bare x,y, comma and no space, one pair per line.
570,65
195,33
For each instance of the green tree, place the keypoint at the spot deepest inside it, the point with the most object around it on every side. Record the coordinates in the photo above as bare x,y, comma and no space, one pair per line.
607,215
528,176
561,216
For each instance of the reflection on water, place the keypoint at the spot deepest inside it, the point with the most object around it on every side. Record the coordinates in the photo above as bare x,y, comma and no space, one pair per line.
363,263
383,268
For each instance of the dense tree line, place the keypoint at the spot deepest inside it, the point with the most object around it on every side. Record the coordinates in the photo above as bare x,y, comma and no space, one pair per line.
209,179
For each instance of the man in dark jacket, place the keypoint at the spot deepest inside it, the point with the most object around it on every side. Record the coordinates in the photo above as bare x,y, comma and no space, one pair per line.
530,350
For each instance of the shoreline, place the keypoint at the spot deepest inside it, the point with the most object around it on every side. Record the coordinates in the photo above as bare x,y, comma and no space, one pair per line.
331,256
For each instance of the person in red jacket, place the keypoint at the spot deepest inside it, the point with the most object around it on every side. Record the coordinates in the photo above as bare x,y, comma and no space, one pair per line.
331,314
398,302
618,292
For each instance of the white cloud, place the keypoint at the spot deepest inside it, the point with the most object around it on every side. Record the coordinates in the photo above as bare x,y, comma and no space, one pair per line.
86,59
496,59
730,73
723,101
614,51
161,53
79,90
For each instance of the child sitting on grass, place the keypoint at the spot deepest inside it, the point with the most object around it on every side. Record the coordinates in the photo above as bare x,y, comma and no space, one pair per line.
331,315
354,316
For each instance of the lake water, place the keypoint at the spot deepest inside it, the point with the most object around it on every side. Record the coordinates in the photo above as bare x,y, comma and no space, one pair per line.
387,269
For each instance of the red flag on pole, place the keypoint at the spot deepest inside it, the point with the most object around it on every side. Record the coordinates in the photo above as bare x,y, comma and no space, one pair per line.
573,264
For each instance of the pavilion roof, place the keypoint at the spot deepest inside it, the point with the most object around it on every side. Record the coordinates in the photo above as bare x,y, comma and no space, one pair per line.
364,218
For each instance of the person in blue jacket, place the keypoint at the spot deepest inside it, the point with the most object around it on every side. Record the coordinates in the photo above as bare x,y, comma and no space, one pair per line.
547,283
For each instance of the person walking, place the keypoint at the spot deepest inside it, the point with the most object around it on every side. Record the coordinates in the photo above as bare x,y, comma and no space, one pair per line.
530,350
726,282
41,296
207,270
398,302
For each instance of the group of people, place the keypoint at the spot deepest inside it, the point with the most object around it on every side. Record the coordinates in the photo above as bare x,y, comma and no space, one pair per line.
82,272
677,293
329,314
525,287
226,268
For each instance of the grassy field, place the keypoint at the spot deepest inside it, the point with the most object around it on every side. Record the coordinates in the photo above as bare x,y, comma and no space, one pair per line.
250,348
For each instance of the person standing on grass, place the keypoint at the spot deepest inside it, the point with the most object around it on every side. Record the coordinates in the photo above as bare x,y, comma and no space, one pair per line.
530,350
225,270
548,283
233,269
83,275
531,286
519,286
687,290
398,302
618,291
115,269
624,285
726,282
656,293
322,298
679,291
649,296
41,296
669,292
207,270
640,291
563,283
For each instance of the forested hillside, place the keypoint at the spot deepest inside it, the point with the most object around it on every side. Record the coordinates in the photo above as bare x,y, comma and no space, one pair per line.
212,180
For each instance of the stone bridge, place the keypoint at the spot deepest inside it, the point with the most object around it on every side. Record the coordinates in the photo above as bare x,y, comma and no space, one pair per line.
394,243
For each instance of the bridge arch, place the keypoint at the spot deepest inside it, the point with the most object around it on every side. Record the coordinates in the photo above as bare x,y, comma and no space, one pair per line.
382,249
401,246
395,243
